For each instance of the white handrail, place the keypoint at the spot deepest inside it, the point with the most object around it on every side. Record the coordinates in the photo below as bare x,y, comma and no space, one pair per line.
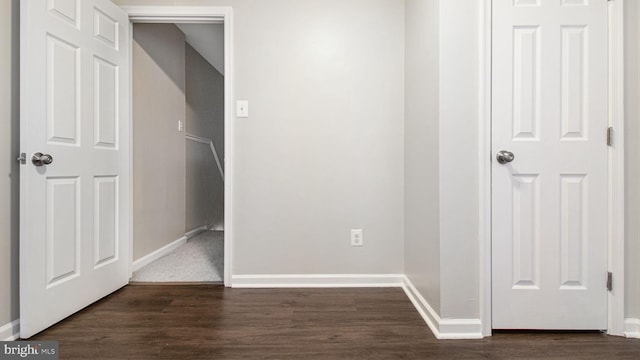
213,150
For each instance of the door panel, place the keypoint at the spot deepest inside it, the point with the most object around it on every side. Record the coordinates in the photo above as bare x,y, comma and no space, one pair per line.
573,231
63,91
550,218
526,82
74,246
526,231
63,238
105,222
106,103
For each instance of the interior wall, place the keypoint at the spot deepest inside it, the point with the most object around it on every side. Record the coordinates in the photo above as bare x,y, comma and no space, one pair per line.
441,154
205,119
421,152
158,146
322,150
459,170
9,169
208,39
204,189
632,160
205,100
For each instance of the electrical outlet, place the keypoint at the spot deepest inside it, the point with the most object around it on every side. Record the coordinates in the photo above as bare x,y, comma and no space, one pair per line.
180,126
356,237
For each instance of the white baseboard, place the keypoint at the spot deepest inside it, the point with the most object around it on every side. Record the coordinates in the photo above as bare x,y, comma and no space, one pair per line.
460,329
149,258
442,328
632,328
196,231
424,309
316,281
10,331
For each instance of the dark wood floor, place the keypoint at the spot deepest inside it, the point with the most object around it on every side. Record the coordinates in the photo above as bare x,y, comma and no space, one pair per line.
212,322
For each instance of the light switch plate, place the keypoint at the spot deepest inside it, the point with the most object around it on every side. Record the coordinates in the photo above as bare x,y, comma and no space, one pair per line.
242,108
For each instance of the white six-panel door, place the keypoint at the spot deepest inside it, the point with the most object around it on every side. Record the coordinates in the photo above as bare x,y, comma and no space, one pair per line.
74,246
549,217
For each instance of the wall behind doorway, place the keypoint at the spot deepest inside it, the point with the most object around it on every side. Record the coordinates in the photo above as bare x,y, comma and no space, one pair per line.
205,119
158,146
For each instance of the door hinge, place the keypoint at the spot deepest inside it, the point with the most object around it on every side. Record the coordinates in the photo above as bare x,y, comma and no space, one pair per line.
609,281
610,136
22,159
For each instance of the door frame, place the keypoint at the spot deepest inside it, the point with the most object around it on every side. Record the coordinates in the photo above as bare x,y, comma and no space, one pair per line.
198,15
615,307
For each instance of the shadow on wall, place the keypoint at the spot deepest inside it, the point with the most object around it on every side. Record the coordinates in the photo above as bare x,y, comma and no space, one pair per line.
15,150
153,46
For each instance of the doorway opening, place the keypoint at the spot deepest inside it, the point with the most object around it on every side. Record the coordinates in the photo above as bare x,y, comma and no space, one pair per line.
178,111
200,247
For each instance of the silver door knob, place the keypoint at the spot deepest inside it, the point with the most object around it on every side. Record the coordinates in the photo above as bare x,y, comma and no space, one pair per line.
505,156
40,159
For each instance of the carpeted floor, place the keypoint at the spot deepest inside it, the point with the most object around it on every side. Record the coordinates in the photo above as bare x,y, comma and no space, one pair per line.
201,259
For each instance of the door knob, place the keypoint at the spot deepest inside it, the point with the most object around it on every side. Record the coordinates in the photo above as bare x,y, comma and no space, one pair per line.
40,159
505,156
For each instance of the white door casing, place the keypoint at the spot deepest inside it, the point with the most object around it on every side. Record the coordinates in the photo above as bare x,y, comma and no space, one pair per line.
202,15
550,205
74,227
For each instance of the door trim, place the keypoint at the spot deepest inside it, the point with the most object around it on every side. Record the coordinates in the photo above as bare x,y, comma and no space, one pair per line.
484,161
615,169
202,14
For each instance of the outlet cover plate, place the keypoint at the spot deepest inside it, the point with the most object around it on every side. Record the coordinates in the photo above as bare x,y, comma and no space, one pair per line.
357,238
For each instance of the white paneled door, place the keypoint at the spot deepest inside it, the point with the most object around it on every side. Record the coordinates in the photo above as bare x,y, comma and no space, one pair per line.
74,199
550,202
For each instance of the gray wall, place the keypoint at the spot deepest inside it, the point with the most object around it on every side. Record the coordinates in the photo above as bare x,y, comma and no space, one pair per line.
9,148
421,182
441,154
204,118
459,169
323,149
208,40
632,160
158,147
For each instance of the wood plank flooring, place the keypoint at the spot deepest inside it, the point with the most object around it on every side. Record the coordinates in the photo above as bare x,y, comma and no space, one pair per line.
213,322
